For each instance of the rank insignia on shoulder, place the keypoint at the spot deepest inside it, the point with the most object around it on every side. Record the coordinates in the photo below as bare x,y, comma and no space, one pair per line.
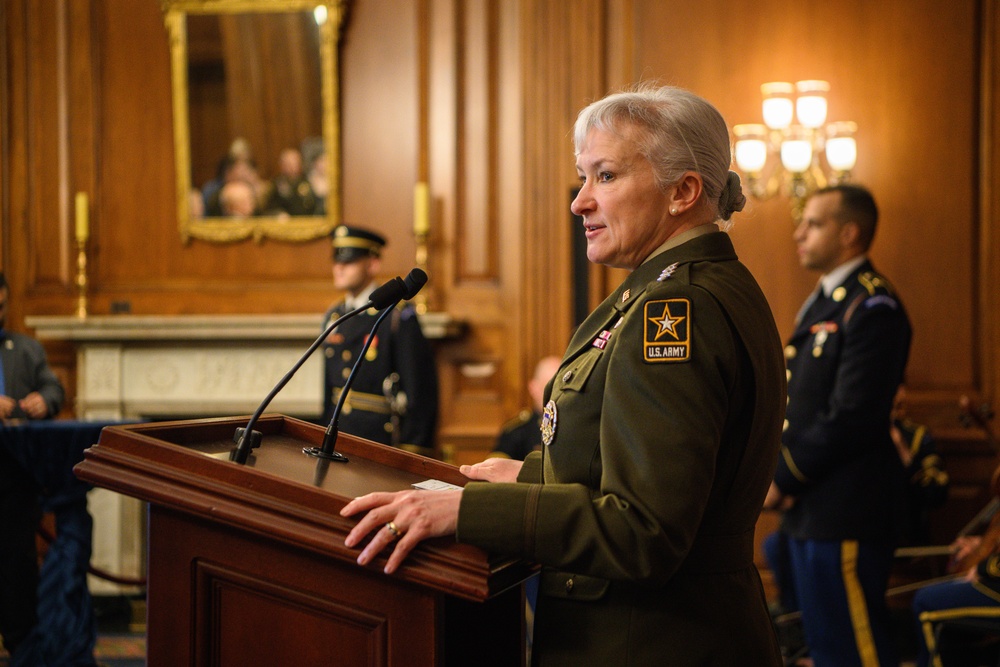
873,282
667,272
667,334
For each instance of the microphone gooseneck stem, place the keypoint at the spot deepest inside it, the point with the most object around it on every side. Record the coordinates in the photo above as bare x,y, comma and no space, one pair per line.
246,437
326,451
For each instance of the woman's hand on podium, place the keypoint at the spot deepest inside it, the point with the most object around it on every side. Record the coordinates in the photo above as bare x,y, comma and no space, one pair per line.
495,469
404,517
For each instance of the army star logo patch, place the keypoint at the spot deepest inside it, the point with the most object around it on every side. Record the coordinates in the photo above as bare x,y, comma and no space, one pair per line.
667,335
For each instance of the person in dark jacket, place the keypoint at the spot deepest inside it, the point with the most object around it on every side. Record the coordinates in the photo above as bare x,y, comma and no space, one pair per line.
660,429
394,397
29,390
839,474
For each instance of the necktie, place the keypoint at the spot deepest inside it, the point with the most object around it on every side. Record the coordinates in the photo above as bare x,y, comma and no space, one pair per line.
812,306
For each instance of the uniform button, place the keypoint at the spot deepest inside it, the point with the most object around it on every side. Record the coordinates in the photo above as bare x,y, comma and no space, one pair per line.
346,410
566,378
789,352
328,352
784,427
346,355
346,372
569,585
388,427
788,374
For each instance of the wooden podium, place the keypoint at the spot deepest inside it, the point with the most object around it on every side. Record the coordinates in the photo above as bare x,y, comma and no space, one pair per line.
247,563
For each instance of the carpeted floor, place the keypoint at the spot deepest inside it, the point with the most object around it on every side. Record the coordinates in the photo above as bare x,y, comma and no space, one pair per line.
121,639
125,650
112,650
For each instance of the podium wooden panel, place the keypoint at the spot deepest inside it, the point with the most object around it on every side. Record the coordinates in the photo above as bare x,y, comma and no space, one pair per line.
247,563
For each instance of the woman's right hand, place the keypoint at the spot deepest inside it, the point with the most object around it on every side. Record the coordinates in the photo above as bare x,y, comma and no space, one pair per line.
493,470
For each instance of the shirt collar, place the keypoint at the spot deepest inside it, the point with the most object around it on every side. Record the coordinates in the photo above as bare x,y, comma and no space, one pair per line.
363,297
683,237
836,278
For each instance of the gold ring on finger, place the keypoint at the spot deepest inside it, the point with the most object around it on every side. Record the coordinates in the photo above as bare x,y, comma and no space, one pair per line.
391,527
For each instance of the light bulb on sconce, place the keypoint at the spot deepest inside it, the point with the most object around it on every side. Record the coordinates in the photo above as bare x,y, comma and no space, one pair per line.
796,134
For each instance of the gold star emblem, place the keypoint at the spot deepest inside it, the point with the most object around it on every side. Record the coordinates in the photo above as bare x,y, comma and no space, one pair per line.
667,324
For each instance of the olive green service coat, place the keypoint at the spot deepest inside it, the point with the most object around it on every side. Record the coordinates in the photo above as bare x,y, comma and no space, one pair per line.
642,506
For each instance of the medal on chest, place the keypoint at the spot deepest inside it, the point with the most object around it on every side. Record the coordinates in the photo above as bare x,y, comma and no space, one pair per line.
821,332
549,418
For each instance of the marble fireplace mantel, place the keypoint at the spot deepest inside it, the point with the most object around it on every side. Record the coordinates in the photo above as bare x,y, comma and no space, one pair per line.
154,366
167,366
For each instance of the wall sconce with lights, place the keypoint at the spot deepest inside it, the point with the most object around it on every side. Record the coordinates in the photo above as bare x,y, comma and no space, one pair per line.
799,169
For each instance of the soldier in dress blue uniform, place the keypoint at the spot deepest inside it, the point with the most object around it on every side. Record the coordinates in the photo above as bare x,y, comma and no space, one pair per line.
839,474
394,397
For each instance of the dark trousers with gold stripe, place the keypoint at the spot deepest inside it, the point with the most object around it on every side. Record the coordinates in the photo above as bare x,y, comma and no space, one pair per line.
942,608
840,586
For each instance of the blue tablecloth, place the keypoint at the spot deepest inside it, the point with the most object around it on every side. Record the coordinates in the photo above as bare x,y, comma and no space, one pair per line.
48,450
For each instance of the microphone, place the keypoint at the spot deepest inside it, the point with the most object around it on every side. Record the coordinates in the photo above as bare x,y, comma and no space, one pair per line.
386,294
414,281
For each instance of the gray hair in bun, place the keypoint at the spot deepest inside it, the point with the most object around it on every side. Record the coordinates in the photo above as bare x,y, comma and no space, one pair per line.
732,199
677,131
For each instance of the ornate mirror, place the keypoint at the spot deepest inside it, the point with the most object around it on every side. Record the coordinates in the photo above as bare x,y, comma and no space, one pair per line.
256,117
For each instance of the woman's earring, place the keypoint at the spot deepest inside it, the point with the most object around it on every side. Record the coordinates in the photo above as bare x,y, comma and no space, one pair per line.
673,211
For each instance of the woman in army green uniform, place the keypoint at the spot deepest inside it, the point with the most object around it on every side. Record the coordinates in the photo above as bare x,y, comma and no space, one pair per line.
660,431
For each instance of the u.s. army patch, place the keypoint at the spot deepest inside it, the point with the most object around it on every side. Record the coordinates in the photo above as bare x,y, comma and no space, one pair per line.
667,335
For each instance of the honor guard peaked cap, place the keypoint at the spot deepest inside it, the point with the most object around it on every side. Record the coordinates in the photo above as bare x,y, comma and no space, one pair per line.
353,243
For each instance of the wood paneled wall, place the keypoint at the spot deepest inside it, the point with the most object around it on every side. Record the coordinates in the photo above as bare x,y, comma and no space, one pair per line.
478,97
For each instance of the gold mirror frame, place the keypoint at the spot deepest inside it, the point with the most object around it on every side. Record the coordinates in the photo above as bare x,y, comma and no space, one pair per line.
227,230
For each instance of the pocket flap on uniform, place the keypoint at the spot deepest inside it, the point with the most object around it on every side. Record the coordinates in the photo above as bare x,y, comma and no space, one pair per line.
577,372
572,586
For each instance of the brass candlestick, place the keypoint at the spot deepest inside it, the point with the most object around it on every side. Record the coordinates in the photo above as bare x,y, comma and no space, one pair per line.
421,232
81,278
420,300
82,234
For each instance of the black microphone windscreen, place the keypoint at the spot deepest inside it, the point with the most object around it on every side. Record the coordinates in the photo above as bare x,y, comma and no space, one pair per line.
385,295
413,282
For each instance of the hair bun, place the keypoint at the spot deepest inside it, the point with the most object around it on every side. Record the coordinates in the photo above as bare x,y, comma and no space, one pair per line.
731,199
